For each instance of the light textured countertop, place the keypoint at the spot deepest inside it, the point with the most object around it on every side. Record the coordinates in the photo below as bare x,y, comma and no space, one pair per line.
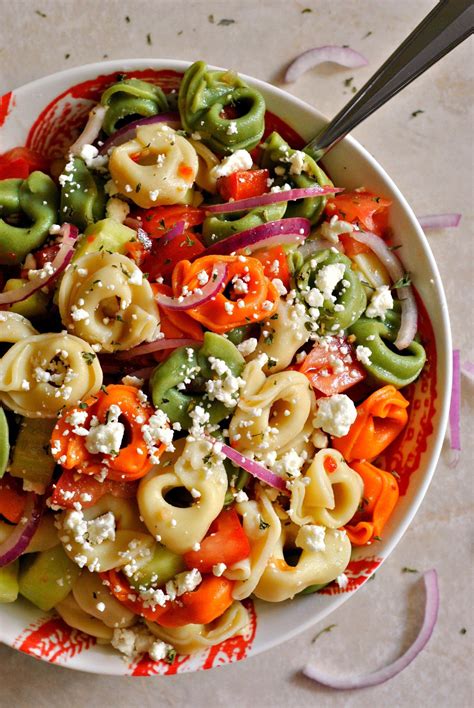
430,158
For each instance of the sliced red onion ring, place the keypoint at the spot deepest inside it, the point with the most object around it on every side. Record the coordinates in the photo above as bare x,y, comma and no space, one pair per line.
23,532
156,346
200,295
129,131
468,369
177,230
455,410
385,674
91,131
58,264
345,56
409,316
281,232
286,195
133,223
254,468
439,221
313,245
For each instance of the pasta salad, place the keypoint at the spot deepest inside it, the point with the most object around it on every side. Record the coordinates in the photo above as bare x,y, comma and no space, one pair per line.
205,349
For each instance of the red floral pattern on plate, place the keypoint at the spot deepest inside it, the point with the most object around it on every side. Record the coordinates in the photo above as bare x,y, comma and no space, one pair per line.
357,573
52,640
6,104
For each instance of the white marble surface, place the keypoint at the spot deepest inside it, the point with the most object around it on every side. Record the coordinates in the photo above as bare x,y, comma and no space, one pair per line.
430,158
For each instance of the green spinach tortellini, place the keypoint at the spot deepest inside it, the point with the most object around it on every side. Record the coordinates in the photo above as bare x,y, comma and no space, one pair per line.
34,200
82,195
217,227
228,114
326,283
298,169
385,365
206,376
130,99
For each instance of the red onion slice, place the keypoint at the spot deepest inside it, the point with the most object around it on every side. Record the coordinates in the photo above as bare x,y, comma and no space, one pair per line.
156,346
23,532
345,56
58,264
91,131
176,230
385,674
281,232
439,221
199,296
286,195
129,131
409,316
455,410
254,468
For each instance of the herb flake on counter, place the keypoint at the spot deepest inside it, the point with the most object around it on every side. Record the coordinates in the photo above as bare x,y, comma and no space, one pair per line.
463,630
127,18
41,14
367,34
210,19
405,569
306,9
417,113
347,82
66,56
180,32
148,39
326,629
225,22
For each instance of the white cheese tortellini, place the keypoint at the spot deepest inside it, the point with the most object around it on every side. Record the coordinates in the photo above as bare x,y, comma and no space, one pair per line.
272,411
193,637
120,540
318,563
329,493
105,299
205,178
75,617
95,599
42,373
14,327
194,467
262,528
285,333
157,167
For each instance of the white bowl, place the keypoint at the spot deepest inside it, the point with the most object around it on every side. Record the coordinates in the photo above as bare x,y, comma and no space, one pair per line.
26,628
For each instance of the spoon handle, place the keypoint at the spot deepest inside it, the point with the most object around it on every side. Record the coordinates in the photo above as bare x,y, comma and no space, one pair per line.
448,24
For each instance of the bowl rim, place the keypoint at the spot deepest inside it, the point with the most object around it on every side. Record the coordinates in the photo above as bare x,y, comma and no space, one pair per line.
443,333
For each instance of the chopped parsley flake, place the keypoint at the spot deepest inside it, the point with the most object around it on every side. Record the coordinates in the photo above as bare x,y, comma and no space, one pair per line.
88,357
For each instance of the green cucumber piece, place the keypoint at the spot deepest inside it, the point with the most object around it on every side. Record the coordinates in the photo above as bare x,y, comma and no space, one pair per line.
47,577
31,459
162,566
9,582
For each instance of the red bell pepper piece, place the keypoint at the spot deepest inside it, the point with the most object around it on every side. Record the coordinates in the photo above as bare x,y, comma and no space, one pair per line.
225,542
243,184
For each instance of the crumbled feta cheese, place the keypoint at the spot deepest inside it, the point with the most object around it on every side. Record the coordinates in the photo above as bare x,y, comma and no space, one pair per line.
335,414
331,230
380,302
297,161
363,355
136,278
248,346
280,288
311,538
239,160
187,581
218,569
101,529
342,581
232,128
314,297
106,438
133,381
241,497
328,277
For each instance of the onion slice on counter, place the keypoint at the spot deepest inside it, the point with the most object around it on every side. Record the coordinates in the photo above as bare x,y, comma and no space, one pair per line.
254,468
345,56
24,531
129,131
200,295
455,410
285,195
377,677
91,131
69,235
439,221
156,346
409,316
274,233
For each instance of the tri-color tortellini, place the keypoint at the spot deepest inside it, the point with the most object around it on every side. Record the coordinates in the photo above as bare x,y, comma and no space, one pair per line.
199,368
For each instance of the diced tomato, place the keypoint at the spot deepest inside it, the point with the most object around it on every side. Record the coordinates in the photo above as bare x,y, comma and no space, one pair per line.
19,162
363,208
243,184
201,606
275,263
164,256
136,251
73,487
225,542
12,498
159,220
351,246
322,365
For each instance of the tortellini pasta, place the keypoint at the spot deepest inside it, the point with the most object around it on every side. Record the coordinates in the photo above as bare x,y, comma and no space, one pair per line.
285,333
193,637
94,598
44,372
205,178
164,172
329,493
75,617
128,544
14,327
282,581
272,410
202,473
262,527
105,299
128,98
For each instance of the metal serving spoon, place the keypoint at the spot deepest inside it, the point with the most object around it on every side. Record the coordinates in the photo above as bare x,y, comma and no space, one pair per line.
448,24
